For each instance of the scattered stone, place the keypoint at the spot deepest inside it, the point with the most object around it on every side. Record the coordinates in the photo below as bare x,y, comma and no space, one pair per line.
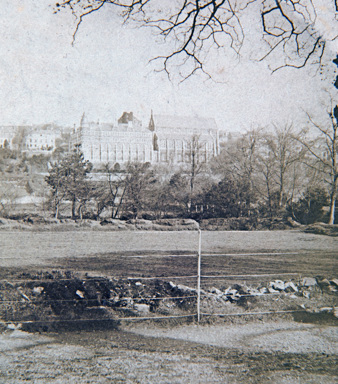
255,292
335,312
277,284
334,282
242,290
126,302
290,287
216,291
114,299
23,294
143,308
184,288
306,294
138,283
308,282
232,292
324,282
38,290
226,291
14,326
80,294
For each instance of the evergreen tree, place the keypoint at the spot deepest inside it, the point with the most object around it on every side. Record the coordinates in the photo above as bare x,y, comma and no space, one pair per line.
67,178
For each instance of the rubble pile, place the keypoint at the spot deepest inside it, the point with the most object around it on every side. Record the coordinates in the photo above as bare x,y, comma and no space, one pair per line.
305,287
62,296
59,296
312,294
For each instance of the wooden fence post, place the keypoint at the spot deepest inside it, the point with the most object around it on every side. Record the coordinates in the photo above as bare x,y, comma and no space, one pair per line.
199,276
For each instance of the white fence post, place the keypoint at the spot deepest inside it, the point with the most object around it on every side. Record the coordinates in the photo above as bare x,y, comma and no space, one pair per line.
199,275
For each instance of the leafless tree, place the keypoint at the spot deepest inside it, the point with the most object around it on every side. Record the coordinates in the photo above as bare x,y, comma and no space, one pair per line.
197,26
266,168
285,154
323,150
116,191
239,160
8,196
196,165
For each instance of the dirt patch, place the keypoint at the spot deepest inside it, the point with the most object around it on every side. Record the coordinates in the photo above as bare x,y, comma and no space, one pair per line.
124,357
277,336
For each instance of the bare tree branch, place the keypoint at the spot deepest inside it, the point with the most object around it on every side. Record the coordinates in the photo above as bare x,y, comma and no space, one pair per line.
197,26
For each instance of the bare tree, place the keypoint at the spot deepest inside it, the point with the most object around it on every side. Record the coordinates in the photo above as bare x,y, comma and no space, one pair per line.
197,26
239,160
116,191
139,179
266,169
267,163
323,151
196,162
285,155
195,167
8,196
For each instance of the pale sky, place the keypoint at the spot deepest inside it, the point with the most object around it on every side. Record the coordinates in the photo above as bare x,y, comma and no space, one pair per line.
45,79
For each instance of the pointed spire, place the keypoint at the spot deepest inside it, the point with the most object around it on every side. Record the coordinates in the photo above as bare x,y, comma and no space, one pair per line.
151,125
83,120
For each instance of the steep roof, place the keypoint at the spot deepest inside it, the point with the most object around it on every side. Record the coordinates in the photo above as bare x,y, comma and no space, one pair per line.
183,123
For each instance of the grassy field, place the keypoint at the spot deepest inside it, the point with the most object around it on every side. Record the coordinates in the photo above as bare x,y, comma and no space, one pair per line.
21,245
122,254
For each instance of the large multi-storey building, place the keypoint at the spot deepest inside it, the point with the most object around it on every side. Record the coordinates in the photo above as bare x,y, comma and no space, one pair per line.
110,143
166,139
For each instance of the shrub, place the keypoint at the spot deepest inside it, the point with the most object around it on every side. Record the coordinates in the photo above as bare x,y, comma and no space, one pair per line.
309,209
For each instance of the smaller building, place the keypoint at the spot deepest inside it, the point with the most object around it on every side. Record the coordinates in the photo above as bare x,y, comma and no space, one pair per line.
7,135
41,139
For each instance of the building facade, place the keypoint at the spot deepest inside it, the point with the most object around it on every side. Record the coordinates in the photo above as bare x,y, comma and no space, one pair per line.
166,139
30,138
7,135
177,139
41,140
104,143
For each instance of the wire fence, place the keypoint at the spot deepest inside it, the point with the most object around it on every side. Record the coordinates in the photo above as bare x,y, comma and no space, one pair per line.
197,290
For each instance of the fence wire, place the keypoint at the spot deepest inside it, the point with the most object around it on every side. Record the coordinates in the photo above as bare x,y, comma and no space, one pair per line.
199,294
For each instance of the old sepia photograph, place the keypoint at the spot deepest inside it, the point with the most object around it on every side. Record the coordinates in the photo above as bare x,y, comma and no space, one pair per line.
168,191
